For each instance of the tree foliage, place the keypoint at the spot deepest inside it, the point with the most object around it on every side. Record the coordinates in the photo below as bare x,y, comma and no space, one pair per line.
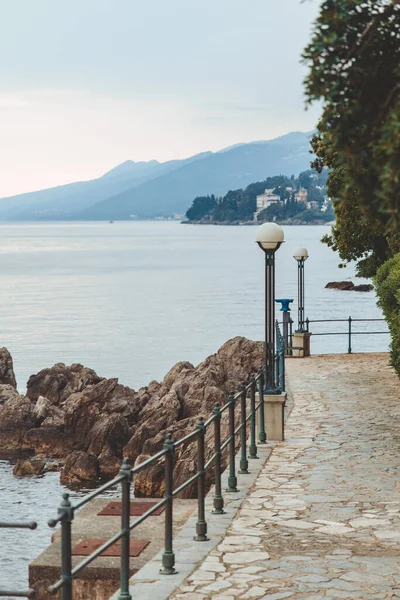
201,206
354,68
387,285
357,235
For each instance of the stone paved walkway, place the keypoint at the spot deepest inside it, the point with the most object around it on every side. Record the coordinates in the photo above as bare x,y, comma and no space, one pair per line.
323,519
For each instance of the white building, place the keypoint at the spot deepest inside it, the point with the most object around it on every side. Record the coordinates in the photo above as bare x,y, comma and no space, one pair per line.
264,200
302,196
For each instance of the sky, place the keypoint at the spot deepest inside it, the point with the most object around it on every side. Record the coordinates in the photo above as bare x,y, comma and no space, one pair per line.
88,84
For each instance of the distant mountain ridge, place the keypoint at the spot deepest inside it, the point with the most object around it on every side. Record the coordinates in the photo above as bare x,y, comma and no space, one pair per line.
146,190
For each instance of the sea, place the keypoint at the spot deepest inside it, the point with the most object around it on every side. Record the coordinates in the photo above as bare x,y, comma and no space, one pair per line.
129,300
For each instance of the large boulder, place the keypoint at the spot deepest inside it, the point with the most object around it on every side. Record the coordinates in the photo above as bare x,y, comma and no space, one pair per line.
16,418
29,466
185,394
340,285
7,375
80,467
363,287
348,286
59,382
108,433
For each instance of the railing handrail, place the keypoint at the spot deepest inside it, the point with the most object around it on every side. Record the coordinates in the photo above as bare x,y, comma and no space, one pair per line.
18,525
339,320
349,331
67,511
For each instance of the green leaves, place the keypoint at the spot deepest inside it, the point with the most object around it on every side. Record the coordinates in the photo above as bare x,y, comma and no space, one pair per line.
353,62
387,284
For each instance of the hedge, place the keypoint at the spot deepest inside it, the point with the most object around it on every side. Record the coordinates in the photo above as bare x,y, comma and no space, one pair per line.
387,284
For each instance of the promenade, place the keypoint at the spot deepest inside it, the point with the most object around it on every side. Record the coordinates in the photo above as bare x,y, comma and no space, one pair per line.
322,520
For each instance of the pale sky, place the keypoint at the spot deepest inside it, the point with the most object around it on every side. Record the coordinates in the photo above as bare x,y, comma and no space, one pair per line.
88,84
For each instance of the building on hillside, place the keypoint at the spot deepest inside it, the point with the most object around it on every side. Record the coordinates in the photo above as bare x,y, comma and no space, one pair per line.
264,200
302,196
312,205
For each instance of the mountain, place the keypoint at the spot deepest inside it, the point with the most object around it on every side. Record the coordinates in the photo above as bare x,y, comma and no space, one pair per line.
216,173
152,189
64,202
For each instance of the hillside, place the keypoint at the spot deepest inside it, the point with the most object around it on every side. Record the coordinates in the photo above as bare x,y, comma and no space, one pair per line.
215,173
295,200
64,202
146,190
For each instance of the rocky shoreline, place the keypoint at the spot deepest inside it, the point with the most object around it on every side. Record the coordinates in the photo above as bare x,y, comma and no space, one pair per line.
73,420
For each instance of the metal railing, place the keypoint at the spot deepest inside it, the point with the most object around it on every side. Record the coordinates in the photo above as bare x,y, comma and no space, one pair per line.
349,331
18,525
66,510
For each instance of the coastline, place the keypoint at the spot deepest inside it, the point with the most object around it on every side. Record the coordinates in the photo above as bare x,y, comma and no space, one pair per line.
246,223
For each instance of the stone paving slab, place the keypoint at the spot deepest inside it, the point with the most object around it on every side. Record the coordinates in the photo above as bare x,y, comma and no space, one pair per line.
149,584
322,520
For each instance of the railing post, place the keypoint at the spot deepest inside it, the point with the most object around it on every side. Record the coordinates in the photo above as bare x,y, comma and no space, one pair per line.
262,438
66,513
168,557
244,463
290,352
201,525
307,325
218,499
277,373
253,446
283,371
232,479
349,348
125,527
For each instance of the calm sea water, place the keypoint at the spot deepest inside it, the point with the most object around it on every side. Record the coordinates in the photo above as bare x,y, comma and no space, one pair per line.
132,299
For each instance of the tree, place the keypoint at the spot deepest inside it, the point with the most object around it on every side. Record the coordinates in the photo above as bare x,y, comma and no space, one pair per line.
357,235
354,68
201,206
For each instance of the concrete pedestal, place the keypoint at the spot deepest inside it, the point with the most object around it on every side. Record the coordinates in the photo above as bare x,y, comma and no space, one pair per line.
301,344
274,417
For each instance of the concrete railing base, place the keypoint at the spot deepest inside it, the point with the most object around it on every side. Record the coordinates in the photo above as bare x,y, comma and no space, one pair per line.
301,344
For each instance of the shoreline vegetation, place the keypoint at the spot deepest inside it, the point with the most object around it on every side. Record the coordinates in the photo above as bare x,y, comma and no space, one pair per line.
301,200
257,223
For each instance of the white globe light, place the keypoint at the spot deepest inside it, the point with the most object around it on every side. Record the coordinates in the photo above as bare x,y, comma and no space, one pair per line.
301,254
270,236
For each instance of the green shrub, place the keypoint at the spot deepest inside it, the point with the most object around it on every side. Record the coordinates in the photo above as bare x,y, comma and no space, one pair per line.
387,283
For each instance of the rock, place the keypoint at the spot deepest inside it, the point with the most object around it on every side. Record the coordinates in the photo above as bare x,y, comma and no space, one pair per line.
7,375
30,466
109,433
340,285
59,382
73,415
364,287
47,414
49,441
51,466
349,286
7,392
16,418
185,394
80,467
109,464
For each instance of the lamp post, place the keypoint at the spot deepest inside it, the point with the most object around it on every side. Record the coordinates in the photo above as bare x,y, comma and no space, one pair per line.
301,256
269,237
